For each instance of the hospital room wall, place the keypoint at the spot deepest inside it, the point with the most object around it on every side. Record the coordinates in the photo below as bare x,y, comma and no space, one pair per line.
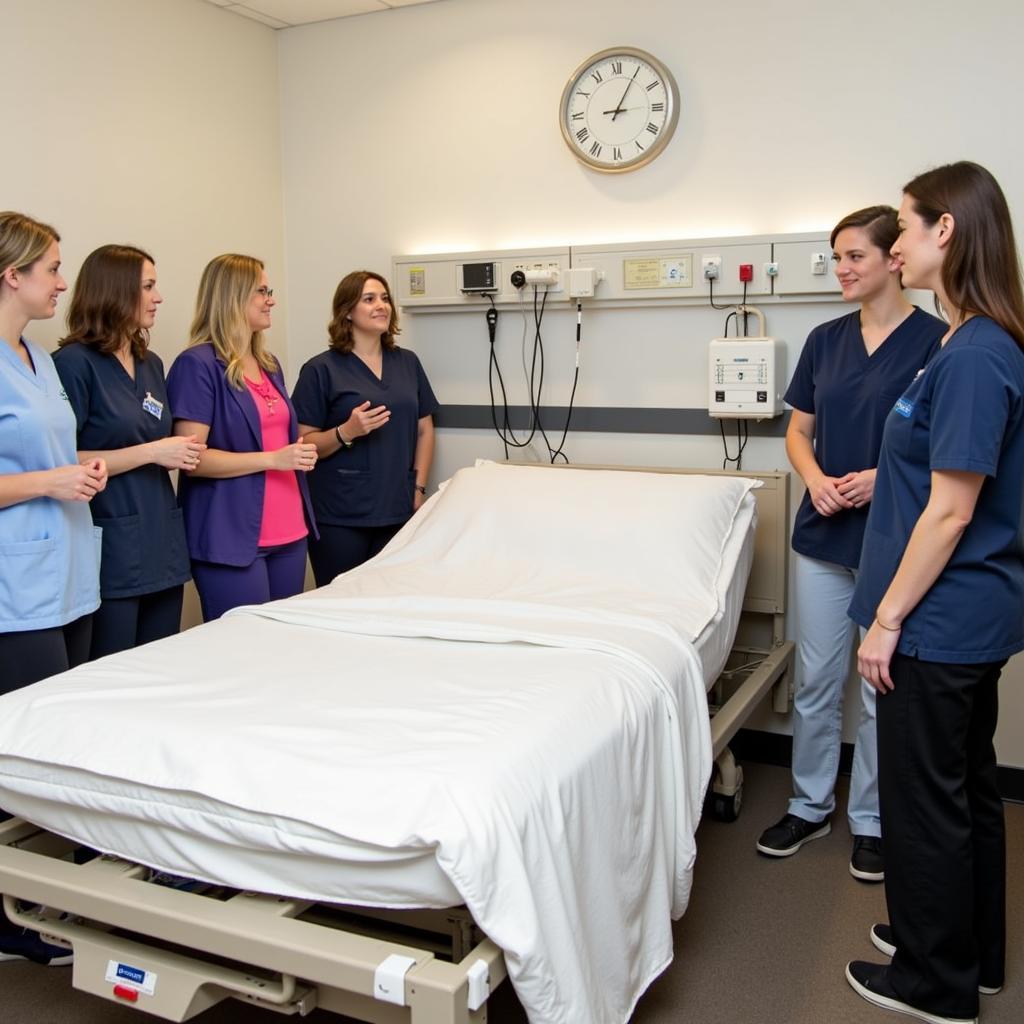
434,128
151,123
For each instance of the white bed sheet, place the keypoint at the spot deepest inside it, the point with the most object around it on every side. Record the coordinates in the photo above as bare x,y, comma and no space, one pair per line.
323,862
443,751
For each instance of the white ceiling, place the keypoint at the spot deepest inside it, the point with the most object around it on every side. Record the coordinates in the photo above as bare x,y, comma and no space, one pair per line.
285,13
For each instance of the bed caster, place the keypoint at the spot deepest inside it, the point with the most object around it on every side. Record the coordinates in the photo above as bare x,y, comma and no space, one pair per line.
726,808
726,796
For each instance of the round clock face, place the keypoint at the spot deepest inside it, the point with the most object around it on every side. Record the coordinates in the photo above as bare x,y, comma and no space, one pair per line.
619,109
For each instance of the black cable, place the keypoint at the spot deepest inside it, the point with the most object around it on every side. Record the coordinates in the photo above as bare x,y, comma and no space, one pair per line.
745,314
538,350
575,381
725,333
711,295
504,431
742,436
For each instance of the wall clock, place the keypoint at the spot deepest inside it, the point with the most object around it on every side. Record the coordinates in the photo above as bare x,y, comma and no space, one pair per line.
619,109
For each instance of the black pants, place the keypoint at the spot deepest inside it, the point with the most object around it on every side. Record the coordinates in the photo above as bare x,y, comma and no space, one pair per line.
37,653
944,834
341,548
121,623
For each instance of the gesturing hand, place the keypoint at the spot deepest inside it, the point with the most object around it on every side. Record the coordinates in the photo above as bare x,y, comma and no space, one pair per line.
364,420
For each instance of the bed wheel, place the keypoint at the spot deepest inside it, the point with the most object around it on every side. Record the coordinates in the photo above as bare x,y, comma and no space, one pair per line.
726,808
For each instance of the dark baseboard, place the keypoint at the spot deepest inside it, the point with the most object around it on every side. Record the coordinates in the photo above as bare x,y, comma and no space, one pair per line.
776,748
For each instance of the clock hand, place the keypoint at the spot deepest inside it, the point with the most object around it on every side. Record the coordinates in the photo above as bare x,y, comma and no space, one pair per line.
619,108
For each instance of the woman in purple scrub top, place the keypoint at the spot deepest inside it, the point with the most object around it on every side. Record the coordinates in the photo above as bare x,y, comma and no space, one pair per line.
247,508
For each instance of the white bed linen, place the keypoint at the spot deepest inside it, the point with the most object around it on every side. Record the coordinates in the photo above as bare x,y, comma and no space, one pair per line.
315,860
559,796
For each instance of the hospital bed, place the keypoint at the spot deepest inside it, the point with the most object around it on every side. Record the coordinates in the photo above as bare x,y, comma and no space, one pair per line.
483,752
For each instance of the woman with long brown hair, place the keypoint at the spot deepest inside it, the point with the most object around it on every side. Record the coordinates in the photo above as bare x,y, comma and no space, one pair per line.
118,393
368,407
941,595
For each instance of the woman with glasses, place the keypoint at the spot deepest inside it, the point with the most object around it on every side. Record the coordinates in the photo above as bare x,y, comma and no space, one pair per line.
117,390
368,407
941,595
246,504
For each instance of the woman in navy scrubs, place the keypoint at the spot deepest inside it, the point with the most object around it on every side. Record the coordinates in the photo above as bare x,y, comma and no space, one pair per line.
367,406
49,548
117,390
941,594
246,504
851,372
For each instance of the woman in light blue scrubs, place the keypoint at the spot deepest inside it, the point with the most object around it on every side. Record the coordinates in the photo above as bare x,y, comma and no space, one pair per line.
117,390
49,549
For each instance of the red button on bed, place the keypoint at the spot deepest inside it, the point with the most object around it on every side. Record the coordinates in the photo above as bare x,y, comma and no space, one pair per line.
129,995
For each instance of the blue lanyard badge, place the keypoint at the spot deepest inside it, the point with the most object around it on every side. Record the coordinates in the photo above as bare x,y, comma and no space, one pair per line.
153,406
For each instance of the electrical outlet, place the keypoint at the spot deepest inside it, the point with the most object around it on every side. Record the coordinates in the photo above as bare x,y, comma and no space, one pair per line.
771,269
711,266
819,264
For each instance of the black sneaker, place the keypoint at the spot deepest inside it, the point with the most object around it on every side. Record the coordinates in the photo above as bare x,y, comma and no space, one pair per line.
884,941
866,864
29,946
869,981
790,833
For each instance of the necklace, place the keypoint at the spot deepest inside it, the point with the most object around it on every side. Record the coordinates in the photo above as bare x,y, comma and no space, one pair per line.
266,391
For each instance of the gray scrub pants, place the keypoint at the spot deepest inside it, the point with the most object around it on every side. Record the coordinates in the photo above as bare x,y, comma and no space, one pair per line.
823,592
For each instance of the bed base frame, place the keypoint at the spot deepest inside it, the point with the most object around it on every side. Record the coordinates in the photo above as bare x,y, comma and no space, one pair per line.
174,953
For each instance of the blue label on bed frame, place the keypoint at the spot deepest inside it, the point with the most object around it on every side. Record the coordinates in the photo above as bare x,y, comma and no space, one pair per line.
132,974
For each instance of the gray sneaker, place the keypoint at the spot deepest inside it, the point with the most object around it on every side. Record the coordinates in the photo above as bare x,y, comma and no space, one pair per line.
785,837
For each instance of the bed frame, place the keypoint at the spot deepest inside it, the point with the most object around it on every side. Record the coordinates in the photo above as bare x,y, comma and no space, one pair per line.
142,942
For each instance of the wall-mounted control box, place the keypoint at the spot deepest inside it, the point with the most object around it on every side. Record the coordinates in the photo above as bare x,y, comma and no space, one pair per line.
746,378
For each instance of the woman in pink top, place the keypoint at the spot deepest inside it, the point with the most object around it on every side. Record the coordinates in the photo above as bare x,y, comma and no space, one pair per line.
246,505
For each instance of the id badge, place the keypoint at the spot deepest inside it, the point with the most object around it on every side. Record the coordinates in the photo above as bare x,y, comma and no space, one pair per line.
153,405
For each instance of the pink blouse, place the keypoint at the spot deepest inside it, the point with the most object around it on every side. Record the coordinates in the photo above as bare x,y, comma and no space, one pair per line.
283,520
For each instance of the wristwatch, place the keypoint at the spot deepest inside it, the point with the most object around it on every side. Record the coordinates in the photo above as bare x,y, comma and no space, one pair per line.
341,440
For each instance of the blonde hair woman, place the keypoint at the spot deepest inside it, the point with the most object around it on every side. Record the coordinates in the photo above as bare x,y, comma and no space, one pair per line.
246,505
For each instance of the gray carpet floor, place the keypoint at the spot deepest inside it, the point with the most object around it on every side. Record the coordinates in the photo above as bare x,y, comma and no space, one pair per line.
763,942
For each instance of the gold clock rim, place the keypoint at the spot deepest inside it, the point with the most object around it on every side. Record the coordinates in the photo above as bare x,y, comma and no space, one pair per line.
670,122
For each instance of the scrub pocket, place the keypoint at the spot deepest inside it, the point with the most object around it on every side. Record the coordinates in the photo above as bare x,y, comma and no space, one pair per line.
30,580
353,494
121,564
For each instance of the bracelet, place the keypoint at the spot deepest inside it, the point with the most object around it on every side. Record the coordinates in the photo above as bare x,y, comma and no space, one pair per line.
341,440
888,629
421,489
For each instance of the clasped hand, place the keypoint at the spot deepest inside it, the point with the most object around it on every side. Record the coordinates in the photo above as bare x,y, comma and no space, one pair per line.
301,456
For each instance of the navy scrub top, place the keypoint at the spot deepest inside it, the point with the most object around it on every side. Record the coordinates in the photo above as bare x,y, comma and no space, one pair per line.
965,412
850,393
372,483
143,534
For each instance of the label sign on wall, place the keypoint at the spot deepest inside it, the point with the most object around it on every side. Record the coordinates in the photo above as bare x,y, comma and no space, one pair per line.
671,272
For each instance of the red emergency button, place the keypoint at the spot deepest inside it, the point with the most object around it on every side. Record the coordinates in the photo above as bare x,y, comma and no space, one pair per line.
129,995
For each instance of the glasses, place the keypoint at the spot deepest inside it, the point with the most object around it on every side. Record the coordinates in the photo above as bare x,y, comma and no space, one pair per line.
264,292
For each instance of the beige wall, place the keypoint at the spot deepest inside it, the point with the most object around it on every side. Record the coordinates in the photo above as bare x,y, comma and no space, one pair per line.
435,129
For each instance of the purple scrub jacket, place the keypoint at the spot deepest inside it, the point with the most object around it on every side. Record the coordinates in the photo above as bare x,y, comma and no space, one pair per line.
222,517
